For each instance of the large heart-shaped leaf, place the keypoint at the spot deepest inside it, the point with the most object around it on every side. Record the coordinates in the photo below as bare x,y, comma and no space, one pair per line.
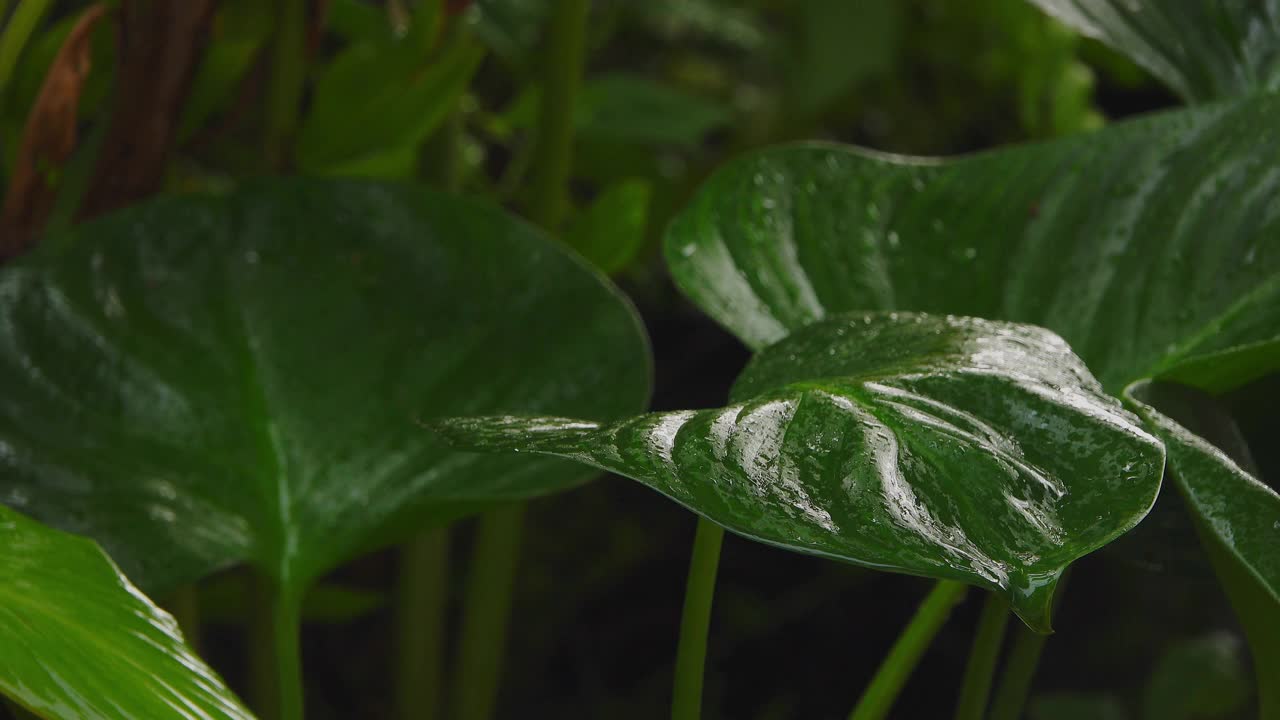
1152,246
1203,50
204,381
77,640
949,447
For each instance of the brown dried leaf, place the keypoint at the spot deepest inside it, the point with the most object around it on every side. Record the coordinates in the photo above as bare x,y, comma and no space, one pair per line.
49,137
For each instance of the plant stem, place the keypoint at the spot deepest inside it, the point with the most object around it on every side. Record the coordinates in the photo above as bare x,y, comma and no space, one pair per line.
288,73
1020,666
420,608
487,609
879,696
16,34
1019,670
695,622
979,671
275,660
564,54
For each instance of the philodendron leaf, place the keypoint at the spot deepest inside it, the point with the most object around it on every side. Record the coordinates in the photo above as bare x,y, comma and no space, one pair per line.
1203,50
1152,246
77,640
204,381
941,446
1238,520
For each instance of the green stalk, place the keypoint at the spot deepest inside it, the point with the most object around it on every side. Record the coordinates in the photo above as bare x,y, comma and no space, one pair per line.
1019,670
26,17
493,564
275,661
879,696
565,55
1020,666
420,609
695,622
288,73
979,671
487,610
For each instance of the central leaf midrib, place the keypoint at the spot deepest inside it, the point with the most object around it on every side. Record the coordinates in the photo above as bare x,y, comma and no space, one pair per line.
259,423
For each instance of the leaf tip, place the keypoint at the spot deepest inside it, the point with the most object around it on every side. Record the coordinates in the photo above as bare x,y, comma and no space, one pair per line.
1031,596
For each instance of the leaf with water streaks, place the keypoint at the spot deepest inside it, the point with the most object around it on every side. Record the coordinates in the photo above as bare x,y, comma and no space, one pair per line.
205,381
77,640
941,446
1203,50
1152,247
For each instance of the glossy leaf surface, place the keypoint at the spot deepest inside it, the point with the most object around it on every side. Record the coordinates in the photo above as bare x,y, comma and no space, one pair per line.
1104,238
203,381
77,640
1203,50
949,447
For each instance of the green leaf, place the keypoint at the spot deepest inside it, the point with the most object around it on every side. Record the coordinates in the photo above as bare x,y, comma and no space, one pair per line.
375,105
611,231
1198,679
625,108
240,29
1237,518
77,640
940,446
1203,50
1104,238
204,381
840,44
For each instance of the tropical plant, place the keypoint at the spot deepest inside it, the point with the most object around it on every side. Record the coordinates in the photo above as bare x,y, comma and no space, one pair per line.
978,370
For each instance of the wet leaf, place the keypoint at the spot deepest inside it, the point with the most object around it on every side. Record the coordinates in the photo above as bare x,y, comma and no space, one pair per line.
1152,246
948,447
77,640
205,381
1204,50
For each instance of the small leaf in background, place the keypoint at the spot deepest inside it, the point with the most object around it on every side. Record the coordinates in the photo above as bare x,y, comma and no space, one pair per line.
939,446
1203,51
77,640
621,107
374,105
359,23
1198,679
204,381
240,29
511,28
611,231
1076,706
840,43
